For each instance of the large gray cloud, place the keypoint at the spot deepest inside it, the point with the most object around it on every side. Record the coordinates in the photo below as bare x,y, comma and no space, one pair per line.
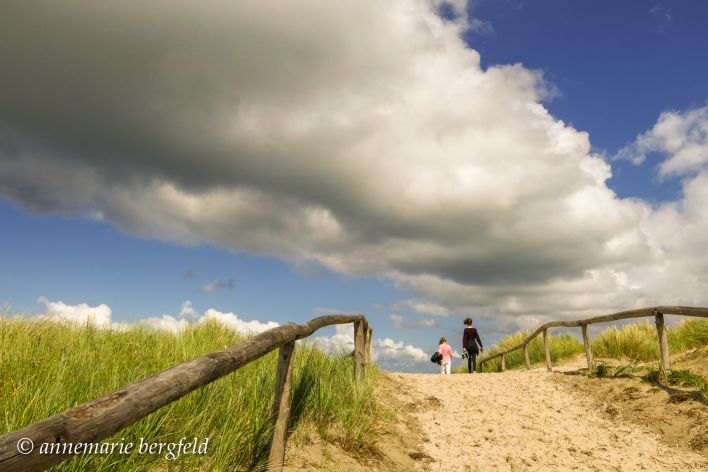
360,135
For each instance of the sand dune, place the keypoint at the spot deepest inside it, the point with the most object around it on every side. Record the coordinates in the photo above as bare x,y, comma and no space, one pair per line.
522,420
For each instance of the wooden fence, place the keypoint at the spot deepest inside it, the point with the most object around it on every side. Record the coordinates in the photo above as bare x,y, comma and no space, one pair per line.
657,312
98,419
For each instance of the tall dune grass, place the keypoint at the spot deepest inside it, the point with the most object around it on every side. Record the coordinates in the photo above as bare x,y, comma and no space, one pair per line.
637,342
562,346
46,368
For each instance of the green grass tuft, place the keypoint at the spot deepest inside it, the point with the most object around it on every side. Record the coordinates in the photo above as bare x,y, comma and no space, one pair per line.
603,369
652,376
688,378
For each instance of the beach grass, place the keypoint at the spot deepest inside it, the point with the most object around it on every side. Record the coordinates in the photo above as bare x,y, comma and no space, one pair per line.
46,368
562,346
639,342
634,342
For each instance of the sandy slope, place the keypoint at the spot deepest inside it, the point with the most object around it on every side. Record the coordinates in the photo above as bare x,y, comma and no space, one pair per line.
518,421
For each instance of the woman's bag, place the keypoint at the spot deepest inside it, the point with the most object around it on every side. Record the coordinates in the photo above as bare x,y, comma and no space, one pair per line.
436,358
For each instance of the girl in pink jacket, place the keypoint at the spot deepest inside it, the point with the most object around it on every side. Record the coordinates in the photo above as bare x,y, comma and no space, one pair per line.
446,351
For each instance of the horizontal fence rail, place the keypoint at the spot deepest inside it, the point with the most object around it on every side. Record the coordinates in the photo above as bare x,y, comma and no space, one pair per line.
657,312
98,419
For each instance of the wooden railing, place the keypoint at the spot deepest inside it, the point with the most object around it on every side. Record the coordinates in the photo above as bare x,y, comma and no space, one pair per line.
657,312
98,419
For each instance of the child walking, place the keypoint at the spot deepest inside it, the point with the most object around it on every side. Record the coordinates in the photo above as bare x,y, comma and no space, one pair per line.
446,351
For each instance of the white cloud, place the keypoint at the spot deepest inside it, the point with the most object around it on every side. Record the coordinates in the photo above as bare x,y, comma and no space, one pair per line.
677,232
399,322
100,316
661,13
164,323
365,138
683,137
481,27
387,347
342,342
187,310
423,307
82,313
387,353
234,322
208,287
397,356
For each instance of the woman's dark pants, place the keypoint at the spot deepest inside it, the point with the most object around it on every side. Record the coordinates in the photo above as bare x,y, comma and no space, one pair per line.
471,361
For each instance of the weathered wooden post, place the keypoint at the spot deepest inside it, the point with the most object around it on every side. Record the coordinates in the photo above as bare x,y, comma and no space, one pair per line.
526,356
281,406
503,363
359,348
663,343
547,348
365,356
586,343
367,346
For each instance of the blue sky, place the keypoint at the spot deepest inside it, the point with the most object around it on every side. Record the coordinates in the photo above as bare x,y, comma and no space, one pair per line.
617,66
77,227
137,276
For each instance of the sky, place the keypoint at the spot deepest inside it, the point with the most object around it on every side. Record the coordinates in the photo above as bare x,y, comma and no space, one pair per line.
420,161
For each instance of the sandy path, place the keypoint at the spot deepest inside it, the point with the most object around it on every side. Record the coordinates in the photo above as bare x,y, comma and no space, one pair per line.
518,421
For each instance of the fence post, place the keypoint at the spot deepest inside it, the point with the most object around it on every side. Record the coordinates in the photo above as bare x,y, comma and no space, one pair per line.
586,343
547,348
281,406
663,342
526,356
503,363
365,340
359,342
367,346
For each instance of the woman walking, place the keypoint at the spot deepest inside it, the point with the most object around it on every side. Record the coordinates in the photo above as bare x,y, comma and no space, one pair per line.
470,339
446,351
